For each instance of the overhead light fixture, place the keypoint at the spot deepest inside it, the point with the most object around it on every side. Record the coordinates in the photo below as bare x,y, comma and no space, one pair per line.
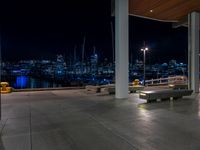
151,10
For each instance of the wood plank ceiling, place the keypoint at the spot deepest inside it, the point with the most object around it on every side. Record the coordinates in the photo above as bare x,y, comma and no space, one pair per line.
163,10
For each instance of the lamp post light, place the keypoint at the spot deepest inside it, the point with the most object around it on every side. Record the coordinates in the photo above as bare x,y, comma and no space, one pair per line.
144,61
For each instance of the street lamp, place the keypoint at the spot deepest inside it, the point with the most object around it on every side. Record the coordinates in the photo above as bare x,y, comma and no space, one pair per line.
144,50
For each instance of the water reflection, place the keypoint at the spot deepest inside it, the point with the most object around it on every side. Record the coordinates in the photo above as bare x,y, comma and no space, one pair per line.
144,113
22,82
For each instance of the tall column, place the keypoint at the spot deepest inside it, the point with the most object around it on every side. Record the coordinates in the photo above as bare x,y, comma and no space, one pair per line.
0,73
193,51
121,48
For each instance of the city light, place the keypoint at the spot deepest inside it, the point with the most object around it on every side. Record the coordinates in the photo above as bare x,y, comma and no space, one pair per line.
96,72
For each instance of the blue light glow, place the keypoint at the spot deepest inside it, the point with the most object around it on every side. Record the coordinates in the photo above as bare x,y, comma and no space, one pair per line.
21,82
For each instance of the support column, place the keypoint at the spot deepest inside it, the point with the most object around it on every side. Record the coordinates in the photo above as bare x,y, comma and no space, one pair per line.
121,48
193,51
0,75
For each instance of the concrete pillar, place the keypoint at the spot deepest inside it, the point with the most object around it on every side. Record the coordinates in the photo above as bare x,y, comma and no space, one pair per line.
0,72
121,48
193,51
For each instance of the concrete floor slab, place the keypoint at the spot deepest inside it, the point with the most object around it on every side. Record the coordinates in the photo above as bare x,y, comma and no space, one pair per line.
15,142
77,120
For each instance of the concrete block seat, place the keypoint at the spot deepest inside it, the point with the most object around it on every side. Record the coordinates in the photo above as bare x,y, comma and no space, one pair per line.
164,94
135,88
111,90
98,88
132,89
178,86
92,88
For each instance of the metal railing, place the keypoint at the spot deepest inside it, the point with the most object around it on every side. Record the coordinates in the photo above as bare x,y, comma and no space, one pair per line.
169,80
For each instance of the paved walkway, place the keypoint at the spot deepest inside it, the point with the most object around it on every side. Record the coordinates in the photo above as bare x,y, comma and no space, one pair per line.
75,120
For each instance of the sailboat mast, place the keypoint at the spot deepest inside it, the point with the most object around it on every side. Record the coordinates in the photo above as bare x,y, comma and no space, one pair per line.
74,54
94,52
83,52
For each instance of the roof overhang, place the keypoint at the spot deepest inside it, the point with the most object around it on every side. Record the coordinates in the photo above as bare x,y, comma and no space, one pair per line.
162,10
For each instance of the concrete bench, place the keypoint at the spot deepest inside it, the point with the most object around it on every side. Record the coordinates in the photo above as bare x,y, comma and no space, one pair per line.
97,89
135,88
164,94
91,88
178,86
111,90
132,89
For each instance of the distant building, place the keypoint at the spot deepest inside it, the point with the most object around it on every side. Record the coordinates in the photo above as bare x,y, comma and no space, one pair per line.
60,66
94,63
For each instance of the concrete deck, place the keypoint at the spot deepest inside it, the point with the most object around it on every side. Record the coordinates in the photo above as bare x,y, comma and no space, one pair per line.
75,120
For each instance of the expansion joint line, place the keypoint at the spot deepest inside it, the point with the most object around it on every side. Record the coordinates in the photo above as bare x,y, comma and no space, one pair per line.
1,132
30,124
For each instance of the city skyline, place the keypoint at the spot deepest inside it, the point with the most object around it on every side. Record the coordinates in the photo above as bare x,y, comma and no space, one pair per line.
57,29
59,72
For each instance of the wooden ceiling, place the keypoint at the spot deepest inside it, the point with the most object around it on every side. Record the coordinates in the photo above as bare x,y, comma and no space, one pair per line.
163,10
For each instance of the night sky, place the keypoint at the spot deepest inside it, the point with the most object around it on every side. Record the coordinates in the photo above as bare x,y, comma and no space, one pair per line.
40,30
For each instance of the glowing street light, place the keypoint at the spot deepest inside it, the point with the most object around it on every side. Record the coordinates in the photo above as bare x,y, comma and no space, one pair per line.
144,51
